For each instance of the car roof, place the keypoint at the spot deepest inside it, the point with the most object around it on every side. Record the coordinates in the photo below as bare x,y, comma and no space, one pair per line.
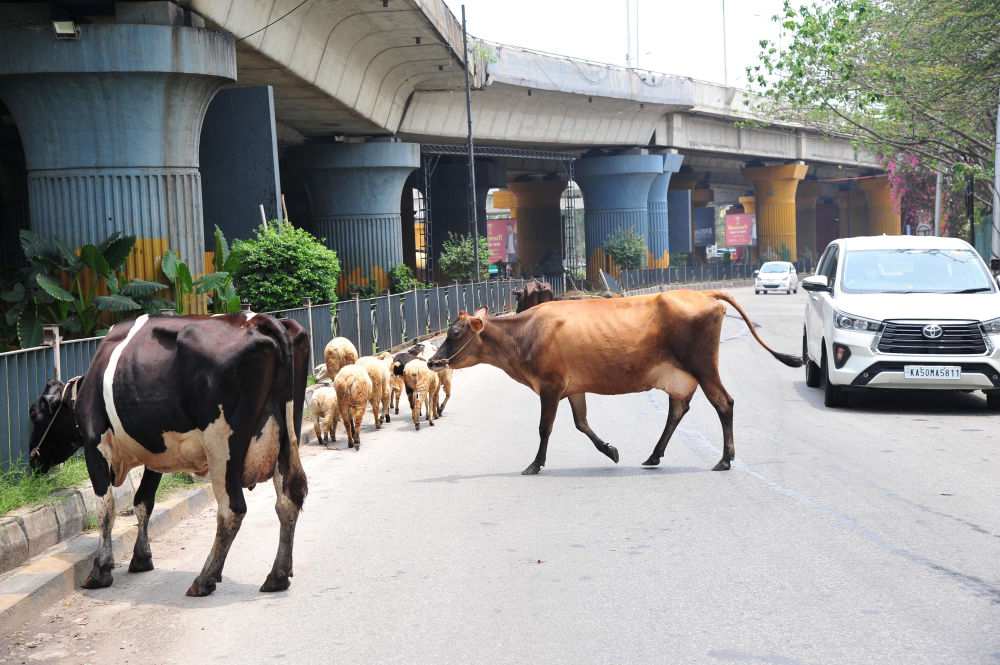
786,263
902,242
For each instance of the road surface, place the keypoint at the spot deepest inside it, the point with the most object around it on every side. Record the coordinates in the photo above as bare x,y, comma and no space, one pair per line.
866,535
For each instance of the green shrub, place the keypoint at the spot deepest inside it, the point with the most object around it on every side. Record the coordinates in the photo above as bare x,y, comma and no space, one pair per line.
401,280
458,259
626,249
282,266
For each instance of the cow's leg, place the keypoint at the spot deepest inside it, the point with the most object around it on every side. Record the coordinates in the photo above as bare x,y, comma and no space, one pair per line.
446,386
145,496
227,485
723,403
578,403
550,403
100,477
287,504
678,407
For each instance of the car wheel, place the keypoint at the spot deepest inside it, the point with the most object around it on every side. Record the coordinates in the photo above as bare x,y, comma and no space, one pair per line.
833,396
993,400
813,376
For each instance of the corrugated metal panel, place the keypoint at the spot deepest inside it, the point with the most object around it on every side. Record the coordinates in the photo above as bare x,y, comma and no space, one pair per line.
347,321
322,330
411,315
22,377
368,246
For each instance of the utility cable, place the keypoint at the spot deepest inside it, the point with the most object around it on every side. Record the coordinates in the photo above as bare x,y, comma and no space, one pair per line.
280,18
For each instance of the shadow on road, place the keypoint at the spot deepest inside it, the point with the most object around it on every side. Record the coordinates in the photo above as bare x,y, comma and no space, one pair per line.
579,472
166,588
903,402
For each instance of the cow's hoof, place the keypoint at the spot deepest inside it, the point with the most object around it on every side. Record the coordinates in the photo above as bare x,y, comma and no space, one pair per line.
387,417
723,465
612,453
98,579
532,469
431,423
202,586
275,583
652,461
140,564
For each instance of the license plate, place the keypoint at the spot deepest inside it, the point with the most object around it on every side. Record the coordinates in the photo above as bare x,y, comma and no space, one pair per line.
947,372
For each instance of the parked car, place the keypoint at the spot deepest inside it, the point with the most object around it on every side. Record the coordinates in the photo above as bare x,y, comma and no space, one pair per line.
902,312
776,276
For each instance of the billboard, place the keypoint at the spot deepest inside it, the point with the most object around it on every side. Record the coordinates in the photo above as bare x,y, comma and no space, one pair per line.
679,219
501,234
739,230
704,227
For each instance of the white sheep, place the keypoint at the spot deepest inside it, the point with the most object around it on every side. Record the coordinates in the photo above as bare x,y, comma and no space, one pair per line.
354,391
326,413
378,372
426,351
422,383
339,351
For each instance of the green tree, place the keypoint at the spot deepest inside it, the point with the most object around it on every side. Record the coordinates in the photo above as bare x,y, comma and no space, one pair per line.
458,260
626,249
401,279
282,265
913,77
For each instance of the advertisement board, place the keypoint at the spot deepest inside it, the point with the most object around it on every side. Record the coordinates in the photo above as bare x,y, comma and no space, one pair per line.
739,230
501,234
704,227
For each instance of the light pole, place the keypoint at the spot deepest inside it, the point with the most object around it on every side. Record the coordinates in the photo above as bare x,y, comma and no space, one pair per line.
725,55
473,210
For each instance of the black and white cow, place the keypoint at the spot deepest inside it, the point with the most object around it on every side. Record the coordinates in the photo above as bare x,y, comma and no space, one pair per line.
221,396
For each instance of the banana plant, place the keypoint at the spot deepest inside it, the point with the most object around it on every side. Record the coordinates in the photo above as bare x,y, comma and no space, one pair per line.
218,285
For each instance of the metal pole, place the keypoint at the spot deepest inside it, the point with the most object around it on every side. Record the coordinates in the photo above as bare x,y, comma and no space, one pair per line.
970,213
473,212
725,57
996,190
937,203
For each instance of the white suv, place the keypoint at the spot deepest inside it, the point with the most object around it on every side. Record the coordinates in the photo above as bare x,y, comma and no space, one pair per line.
902,312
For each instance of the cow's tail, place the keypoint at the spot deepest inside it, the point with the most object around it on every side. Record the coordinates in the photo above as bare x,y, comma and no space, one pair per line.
786,358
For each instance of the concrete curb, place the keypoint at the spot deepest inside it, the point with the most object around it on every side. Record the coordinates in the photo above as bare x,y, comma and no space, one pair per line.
29,589
27,532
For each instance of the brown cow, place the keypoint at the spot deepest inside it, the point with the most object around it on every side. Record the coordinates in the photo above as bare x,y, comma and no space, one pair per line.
534,293
569,348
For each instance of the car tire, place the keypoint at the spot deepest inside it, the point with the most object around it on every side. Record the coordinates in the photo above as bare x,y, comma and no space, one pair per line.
833,396
813,376
993,400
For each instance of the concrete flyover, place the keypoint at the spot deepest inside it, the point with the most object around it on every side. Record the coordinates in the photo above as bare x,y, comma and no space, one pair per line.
337,106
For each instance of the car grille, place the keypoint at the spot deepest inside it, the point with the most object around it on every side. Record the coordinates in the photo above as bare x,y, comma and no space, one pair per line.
956,339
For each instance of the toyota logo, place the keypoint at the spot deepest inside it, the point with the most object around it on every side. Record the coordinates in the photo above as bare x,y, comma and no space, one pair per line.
933,331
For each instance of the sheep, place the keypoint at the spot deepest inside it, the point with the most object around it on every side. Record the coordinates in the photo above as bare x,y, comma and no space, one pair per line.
354,391
422,383
378,372
426,351
326,412
339,351
399,362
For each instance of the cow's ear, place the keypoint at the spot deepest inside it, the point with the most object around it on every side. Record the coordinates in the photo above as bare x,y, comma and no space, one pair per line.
481,313
477,324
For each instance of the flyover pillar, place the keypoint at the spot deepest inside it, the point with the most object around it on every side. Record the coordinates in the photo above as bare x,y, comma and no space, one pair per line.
616,199
805,218
883,213
449,202
111,125
539,223
774,188
749,204
658,240
354,192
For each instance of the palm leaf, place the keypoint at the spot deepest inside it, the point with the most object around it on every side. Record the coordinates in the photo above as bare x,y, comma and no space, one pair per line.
184,281
51,287
117,303
169,265
93,259
117,251
140,288
221,251
211,282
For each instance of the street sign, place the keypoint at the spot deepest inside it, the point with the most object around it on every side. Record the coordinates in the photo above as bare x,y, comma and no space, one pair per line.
924,229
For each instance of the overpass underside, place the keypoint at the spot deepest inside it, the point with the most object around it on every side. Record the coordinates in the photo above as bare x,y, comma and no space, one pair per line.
164,120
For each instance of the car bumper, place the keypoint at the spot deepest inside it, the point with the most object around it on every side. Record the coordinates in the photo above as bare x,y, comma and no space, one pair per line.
760,286
866,368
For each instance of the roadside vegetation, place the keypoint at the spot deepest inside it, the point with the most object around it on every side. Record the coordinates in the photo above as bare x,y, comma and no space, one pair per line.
20,487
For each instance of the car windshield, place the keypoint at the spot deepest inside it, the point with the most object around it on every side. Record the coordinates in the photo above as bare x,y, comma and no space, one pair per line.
774,267
915,271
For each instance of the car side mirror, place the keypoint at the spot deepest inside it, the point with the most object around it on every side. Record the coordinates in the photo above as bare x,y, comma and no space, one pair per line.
756,272
816,283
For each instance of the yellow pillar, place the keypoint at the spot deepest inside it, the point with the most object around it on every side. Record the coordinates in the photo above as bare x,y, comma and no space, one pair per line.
883,214
775,187
805,218
749,204
539,219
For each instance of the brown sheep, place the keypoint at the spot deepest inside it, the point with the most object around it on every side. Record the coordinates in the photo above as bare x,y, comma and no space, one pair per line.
422,382
426,351
354,391
326,412
378,372
339,351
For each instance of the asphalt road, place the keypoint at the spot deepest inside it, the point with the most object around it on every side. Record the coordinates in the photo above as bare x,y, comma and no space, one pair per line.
866,535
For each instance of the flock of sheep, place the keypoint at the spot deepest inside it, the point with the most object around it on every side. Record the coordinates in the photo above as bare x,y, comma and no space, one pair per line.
346,385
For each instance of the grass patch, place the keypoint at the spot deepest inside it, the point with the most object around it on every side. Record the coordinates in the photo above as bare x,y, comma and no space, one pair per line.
171,482
310,379
20,487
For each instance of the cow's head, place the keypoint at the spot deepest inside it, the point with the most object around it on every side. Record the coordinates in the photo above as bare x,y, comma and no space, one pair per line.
463,345
54,434
534,293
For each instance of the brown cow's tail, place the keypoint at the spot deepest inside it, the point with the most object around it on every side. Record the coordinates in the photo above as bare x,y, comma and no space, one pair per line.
786,358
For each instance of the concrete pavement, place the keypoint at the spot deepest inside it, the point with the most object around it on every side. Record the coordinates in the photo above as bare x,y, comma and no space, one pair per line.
866,535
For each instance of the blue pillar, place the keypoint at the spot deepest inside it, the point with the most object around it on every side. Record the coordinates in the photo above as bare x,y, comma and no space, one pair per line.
658,239
111,125
615,198
354,194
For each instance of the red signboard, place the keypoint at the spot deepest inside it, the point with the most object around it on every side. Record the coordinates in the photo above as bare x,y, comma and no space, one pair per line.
739,230
502,237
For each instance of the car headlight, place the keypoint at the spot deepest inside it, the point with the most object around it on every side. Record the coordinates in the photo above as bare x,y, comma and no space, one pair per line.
849,322
992,326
